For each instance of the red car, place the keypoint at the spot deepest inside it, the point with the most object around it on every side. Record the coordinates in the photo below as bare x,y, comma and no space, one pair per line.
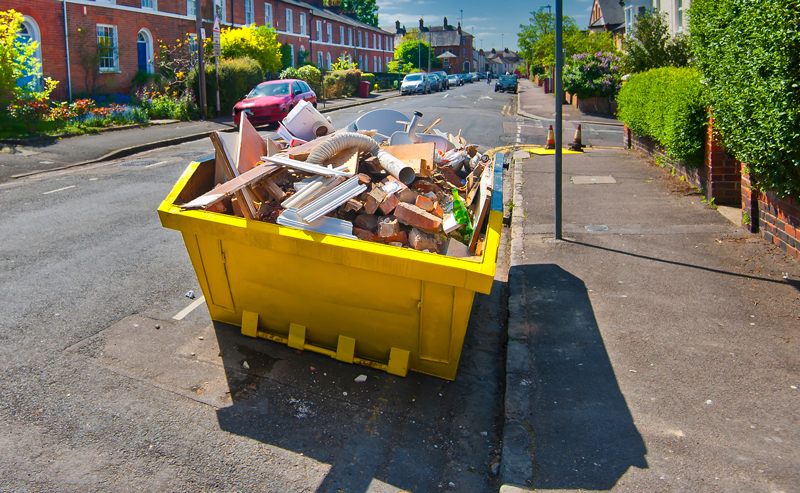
271,101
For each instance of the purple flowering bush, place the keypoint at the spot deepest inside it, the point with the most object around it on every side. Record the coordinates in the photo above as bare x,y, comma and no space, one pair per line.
588,75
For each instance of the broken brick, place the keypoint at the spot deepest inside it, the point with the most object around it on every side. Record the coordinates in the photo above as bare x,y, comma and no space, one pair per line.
424,202
437,210
450,175
368,222
421,240
370,204
363,234
352,205
407,195
388,227
388,205
400,237
426,186
416,217
364,179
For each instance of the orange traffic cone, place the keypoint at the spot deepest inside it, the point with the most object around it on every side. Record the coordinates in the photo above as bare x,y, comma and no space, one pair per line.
576,141
551,139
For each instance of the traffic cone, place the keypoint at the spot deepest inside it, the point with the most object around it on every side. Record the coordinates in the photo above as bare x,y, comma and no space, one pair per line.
551,139
576,141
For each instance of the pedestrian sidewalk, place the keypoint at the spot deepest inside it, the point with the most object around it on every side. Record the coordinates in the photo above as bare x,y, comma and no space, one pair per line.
532,102
17,161
655,347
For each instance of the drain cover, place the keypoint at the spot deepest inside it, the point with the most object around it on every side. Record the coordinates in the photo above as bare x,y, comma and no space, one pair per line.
597,227
593,180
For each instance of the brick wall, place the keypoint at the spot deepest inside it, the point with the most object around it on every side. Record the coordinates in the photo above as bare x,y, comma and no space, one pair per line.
776,218
720,177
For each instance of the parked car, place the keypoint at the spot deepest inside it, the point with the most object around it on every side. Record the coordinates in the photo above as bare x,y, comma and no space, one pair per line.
454,80
506,83
493,75
436,82
481,75
415,84
271,101
467,78
443,75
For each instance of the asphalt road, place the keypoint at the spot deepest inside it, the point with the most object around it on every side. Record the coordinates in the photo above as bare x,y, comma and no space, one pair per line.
103,390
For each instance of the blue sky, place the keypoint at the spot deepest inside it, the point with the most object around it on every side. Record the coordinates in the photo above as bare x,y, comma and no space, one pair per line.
486,24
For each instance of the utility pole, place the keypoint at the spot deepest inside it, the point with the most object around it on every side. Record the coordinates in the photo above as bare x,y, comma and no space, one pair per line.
430,48
201,66
559,113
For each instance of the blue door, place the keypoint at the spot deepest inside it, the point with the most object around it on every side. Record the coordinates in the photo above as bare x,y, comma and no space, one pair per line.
141,48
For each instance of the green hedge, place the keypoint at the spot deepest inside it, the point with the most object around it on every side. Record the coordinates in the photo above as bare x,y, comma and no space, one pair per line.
236,78
749,55
668,105
369,78
350,79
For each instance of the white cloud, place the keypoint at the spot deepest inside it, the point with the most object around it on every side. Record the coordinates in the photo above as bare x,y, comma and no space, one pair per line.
476,19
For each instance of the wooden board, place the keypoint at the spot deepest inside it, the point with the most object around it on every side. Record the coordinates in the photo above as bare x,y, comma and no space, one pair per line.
418,156
484,203
348,157
301,152
224,161
251,147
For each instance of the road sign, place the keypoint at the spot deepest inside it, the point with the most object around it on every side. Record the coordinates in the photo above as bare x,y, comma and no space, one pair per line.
216,34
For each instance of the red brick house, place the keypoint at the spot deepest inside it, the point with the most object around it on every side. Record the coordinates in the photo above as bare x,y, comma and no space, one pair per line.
443,39
130,29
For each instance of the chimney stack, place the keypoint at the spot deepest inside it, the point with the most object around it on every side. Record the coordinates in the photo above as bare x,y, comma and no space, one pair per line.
421,25
459,28
397,25
445,23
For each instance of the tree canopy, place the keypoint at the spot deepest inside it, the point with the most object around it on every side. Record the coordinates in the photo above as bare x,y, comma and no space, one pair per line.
259,43
366,10
415,53
537,40
649,45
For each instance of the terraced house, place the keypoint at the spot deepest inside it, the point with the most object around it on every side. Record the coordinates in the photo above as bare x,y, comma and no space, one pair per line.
122,35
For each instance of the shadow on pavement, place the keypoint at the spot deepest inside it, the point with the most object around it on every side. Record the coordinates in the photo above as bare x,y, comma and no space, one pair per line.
583,432
416,433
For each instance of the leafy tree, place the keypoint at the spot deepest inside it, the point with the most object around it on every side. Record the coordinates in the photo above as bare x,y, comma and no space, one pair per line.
412,34
537,40
366,10
259,43
650,45
413,53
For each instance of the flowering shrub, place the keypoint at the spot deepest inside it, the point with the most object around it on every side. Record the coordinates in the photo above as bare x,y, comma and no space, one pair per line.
166,104
114,114
588,75
31,106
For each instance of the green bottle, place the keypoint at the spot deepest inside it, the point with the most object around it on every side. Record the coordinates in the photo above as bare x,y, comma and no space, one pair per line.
461,214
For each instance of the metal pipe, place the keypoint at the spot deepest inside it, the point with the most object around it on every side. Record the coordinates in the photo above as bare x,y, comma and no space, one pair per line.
201,65
66,42
559,114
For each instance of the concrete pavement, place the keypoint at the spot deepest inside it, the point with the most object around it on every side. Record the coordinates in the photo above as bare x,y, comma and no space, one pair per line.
654,348
17,161
532,102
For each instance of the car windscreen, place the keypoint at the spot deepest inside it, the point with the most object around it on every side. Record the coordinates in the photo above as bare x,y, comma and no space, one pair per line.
277,89
412,78
508,78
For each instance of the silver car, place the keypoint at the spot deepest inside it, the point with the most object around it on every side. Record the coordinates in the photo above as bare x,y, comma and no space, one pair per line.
418,83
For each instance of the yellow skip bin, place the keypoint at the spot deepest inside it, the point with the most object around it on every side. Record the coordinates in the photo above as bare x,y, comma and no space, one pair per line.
360,302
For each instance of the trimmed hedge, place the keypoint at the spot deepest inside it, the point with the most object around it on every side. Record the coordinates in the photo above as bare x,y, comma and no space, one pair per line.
667,105
369,78
749,55
236,78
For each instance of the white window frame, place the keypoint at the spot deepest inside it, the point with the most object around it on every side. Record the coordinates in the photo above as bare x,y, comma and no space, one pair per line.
191,8
151,5
366,64
380,38
341,35
289,21
220,4
115,49
291,54
330,32
268,14
319,31
359,39
680,11
328,59
303,23
387,63
350,36
374,41
360,61
248,12
320,61
374,63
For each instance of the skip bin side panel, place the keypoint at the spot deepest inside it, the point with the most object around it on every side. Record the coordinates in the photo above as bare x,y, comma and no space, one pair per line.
443,330
209,265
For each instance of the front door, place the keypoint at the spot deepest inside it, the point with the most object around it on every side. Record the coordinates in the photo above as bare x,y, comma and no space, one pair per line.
141,48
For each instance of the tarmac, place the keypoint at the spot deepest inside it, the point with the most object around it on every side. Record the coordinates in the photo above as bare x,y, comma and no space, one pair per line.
18,161
654,346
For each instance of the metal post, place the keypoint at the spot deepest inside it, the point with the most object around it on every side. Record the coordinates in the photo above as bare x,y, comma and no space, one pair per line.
216,76
559,113
66,42
201,66
429,50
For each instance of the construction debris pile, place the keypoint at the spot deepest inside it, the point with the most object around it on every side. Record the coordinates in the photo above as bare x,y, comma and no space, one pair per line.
375,180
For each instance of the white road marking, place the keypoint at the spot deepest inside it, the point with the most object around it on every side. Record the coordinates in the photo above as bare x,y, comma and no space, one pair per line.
59,189
360,111
181,314
445,96
156,164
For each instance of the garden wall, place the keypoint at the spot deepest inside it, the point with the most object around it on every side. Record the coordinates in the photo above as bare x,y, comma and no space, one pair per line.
720,176
778,217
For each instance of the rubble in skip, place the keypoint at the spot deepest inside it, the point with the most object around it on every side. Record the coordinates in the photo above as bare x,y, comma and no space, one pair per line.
377,180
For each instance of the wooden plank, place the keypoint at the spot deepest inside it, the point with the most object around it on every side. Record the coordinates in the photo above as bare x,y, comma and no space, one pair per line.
418,156
301,152
251,147
484,203
223,159
272,147
439,119
273,189
348,157
231,186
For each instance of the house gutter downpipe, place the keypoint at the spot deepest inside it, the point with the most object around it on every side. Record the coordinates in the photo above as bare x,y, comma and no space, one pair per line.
66,43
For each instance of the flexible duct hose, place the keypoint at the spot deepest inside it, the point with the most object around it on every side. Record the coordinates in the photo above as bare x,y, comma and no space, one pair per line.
339,142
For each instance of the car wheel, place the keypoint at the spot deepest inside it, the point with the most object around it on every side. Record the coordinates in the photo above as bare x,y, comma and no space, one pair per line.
315,104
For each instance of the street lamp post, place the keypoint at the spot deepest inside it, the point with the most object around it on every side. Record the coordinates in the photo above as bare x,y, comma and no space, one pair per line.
559,115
